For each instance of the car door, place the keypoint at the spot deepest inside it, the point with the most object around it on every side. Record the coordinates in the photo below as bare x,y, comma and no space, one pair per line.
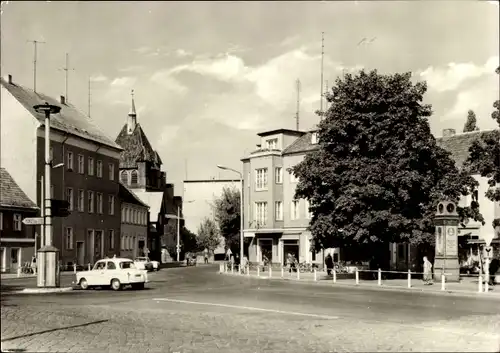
99,273
111,271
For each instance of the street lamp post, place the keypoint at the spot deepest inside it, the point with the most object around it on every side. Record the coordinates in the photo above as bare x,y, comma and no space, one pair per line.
48,274
241,206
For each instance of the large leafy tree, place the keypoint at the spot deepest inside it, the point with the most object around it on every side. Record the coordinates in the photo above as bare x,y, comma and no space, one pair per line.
484,158
208,235
471,123
378,173
227,215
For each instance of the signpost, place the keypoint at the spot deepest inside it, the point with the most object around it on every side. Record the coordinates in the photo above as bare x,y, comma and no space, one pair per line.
33,221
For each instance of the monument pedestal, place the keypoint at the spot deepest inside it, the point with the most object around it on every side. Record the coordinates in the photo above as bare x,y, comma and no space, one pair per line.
48,275
451,269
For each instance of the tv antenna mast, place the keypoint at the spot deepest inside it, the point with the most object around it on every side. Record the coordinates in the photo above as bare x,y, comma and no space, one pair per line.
35,54
66,70
322,60
297,113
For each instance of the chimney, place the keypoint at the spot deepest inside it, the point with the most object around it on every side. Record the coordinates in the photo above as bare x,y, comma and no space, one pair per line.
10,79
449,132
63,100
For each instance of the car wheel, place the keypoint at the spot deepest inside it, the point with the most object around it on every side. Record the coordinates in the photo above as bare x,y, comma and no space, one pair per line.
115,284
84,284
137,286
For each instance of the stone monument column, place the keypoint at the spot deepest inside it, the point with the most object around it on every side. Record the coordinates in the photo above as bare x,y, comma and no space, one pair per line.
446,259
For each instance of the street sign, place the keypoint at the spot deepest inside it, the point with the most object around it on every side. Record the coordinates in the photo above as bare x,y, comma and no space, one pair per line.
34,221
488,250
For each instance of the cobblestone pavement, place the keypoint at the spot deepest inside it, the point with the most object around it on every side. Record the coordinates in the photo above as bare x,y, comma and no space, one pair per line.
206,312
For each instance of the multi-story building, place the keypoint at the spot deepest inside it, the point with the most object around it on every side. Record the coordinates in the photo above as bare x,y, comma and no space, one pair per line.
134,226
17,241
88,178
140,171
277,223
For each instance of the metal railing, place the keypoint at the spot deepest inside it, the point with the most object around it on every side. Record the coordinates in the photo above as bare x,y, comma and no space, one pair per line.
357,275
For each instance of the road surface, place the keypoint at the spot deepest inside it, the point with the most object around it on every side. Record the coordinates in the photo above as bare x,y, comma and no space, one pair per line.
197,310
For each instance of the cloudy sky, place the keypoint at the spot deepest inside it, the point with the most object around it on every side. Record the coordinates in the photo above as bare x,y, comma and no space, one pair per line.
209,75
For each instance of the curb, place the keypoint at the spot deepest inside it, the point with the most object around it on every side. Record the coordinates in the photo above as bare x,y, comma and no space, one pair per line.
460,293
43,290
33,276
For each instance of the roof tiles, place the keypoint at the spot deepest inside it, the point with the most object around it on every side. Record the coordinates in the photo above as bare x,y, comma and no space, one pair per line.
11,194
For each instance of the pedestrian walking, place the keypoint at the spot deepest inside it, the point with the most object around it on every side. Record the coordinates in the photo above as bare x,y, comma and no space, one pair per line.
206,256
427,271
329,264
493,268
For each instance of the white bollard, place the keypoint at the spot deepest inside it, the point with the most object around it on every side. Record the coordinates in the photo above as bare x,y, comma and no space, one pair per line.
19,271
357,276
248,270
282,272
443,282
258,271
480,283
315,276
232,268
74,268
298,272
409,278
270,272
334,276
89,267
379,277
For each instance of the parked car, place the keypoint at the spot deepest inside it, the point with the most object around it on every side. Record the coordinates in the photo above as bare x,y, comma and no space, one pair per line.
156,264
143,263
114,272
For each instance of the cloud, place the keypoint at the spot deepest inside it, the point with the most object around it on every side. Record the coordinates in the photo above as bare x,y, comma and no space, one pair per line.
133,68
166,80
98,78
142,50
182,53
168,133
123,81
225,68
450,78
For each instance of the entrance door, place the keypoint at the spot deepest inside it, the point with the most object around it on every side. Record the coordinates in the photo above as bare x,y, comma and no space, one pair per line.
290,247
91,244
14,258
266,250
142,244
80,253
98,245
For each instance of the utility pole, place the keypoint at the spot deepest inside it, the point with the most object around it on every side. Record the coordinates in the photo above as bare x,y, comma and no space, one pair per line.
89,98
66,70
35,46
322,59
297,113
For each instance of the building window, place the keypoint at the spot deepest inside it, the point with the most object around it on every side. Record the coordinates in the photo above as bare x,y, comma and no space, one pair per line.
261,179
69,160
99,203
1,220
69,198
91,201
111,171
134,177
111,239
308,209
294,212
91,166
51,154
261,213
278,175
278,210
127,215
314,138
99,169
81,200
124,177
69,238
293,178
111,204
81,164
122,242
17,222
272,144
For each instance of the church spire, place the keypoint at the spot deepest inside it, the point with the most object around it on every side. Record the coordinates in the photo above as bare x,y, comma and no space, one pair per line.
132,117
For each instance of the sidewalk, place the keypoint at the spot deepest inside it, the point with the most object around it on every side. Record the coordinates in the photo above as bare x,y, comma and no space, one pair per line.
14,275
468,286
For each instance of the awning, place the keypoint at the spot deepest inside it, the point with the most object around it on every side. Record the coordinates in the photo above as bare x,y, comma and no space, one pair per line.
481,241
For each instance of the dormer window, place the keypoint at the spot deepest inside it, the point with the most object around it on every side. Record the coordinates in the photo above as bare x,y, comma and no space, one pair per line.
272,144
314,138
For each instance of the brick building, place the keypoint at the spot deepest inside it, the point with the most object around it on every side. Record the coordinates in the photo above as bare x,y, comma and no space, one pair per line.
88,180
17,241
140,171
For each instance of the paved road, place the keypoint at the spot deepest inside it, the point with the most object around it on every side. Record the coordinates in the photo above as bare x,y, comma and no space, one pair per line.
196,310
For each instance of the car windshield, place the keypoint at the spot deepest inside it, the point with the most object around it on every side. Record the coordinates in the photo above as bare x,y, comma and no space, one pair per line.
141,259
126,264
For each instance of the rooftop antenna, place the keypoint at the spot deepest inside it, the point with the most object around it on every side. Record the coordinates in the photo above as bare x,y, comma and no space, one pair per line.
297,113
89,94
66,70
326,92
322,58
35,45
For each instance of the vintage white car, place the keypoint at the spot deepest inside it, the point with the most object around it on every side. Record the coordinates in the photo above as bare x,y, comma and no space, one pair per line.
114,272
146,264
